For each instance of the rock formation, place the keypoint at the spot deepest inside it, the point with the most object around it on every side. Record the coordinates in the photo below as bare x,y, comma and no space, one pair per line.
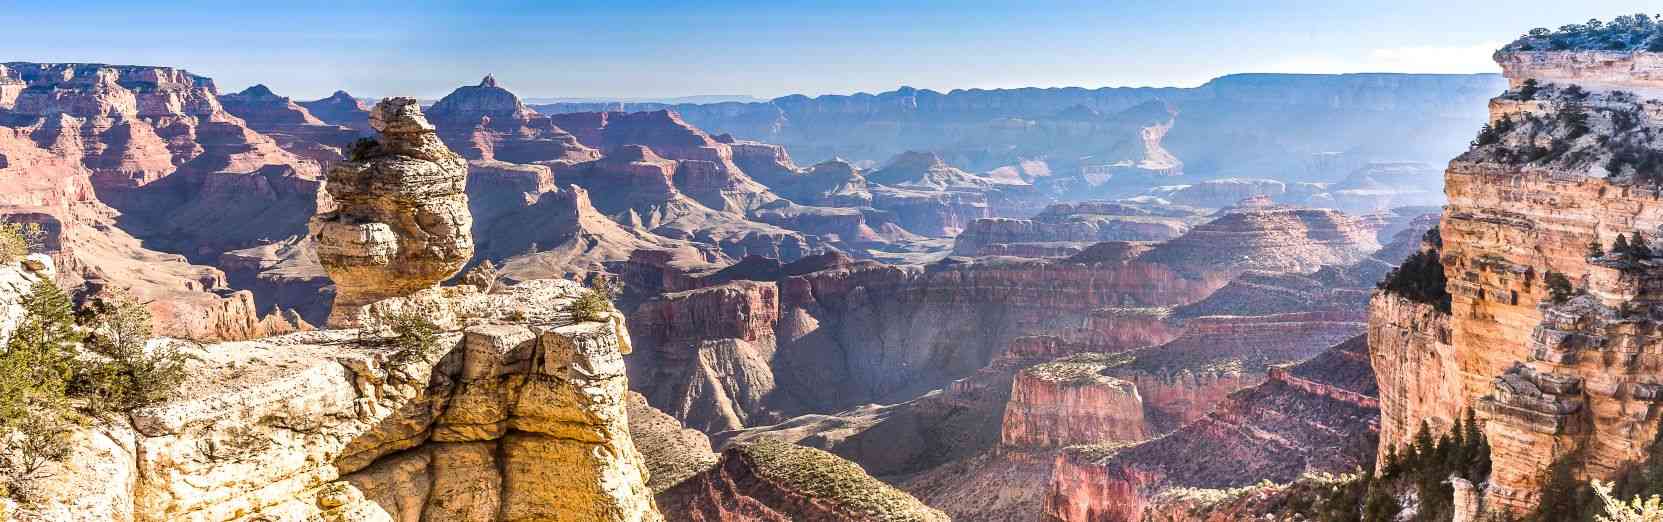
1064,229
519,416
1275,125
402,221
341,109
1316,416
486,122
1553,373
780,481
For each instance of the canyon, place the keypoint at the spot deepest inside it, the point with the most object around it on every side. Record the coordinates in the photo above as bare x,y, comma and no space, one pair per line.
907,329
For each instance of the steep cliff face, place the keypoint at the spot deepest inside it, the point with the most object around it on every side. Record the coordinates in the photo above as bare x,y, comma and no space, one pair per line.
1548,375
876,332
521,416
1071,402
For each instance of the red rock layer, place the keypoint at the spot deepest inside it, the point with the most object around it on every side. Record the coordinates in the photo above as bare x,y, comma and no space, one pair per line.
1275,431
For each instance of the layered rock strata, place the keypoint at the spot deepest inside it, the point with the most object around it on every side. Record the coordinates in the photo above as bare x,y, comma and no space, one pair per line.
401,222
1317,416
1551,378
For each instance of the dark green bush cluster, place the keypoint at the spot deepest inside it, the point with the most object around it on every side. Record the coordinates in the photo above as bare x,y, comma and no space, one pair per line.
1420,279
1623,33
412,336
1559,287
1491,135
1425,467
60,368
18,240
595,303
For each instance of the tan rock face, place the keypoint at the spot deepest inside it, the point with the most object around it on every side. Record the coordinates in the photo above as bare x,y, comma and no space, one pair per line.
519,419
402,222
1547,380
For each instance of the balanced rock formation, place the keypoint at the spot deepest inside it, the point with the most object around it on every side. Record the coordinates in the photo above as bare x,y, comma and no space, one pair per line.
402,223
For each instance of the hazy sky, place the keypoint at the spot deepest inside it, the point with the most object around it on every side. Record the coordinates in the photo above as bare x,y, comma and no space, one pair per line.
627,49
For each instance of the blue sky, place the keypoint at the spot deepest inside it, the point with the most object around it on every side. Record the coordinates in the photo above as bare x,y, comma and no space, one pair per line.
635,49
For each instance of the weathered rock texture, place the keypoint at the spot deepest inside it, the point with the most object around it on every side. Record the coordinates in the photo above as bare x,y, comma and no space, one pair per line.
402,221
778,481
1549,380
521,416
1317,416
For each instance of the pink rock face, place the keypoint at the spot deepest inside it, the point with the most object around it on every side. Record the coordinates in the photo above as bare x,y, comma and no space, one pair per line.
855,333
1058,404
187,176
292,125
1306,418
706,169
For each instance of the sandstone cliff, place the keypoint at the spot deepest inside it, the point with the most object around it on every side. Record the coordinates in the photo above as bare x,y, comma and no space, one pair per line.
1552,377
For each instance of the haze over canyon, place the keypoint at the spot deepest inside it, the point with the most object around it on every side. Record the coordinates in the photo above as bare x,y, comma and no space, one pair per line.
1335,297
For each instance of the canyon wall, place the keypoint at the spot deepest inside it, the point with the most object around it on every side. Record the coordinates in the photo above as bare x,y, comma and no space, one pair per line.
1554,373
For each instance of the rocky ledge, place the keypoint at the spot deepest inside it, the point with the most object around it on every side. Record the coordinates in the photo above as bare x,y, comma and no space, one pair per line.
520,416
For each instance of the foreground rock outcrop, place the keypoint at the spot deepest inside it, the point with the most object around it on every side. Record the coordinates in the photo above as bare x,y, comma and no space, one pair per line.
402,221
519,416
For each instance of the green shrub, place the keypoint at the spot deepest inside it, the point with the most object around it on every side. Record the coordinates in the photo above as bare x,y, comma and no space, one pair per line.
364,149
1559,287
1420,279
412,336
1528,90
595,303
18,240
127,376
45,378
36,365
